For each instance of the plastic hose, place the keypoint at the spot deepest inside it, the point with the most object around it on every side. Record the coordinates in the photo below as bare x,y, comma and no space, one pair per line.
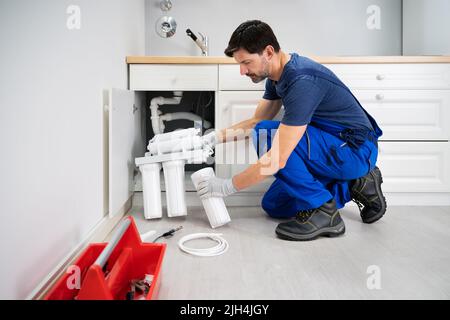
220,248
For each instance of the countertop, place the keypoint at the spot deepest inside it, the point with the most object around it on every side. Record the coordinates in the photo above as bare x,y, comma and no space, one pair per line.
320,59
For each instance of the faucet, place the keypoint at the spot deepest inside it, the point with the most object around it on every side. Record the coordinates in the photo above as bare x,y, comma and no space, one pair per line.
202,44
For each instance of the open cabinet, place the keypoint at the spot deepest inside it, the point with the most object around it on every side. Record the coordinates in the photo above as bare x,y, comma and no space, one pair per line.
130,129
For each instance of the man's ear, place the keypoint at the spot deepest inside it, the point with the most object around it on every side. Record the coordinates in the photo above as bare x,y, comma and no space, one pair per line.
269,51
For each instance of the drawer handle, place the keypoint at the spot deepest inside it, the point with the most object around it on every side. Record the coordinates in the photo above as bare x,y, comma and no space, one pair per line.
379,96
380,76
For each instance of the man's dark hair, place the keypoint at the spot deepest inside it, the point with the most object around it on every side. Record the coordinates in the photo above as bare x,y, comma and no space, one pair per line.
253,36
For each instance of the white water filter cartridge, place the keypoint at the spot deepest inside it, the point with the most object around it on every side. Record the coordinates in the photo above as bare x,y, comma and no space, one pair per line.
175,191
215,208
151,188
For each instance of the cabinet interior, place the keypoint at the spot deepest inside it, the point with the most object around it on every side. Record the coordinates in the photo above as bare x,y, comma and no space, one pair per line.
201,103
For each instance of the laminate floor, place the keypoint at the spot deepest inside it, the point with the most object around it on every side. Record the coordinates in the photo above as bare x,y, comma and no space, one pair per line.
405,255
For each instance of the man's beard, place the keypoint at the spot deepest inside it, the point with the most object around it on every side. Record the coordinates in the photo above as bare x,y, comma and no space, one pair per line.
258,78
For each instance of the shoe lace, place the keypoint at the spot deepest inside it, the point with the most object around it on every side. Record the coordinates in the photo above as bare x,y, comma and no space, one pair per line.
303,215
363,201
359,203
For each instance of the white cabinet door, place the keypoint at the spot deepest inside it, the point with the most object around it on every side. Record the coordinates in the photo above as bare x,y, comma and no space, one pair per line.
415,166
234,157
409,114
125,144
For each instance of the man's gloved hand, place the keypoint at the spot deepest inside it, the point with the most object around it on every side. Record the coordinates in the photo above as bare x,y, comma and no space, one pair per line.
210,139
215,187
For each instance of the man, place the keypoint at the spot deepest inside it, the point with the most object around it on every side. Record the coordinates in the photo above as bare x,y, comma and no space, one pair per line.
324,149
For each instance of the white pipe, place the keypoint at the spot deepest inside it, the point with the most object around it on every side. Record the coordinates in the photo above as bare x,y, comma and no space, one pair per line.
185,115
175,145
155,119
176,134
157,125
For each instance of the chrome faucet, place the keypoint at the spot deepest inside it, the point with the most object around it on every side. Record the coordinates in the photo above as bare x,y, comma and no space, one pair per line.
202,44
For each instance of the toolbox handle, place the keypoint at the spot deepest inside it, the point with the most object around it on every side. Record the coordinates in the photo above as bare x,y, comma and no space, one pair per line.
106,253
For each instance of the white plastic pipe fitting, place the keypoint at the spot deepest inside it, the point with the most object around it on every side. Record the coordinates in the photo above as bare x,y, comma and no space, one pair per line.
157,125
187,143
185,115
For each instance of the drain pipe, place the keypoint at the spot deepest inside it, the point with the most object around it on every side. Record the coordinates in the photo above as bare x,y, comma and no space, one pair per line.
185,115
157,125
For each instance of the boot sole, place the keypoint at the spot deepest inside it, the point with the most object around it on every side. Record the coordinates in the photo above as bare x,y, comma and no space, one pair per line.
378,178
326,232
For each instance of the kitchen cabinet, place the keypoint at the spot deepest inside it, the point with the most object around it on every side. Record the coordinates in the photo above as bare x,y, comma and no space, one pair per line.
411,102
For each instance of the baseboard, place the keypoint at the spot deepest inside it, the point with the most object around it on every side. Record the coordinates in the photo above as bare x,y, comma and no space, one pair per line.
98,234
418,199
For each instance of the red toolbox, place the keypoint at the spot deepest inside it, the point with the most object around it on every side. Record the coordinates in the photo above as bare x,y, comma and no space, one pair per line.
106,270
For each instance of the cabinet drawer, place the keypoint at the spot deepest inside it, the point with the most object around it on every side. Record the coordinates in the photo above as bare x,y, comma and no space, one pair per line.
393,76
173,77
409,114
415,166
230,78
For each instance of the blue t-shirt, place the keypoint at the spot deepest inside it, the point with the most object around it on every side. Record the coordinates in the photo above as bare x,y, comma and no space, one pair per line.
304,96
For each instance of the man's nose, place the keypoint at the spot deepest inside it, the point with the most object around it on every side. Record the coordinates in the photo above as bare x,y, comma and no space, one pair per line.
244,70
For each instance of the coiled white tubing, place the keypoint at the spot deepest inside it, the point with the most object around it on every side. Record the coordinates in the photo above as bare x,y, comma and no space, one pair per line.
220,248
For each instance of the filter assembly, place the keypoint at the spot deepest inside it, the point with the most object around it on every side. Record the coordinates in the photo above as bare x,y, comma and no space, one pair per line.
170,151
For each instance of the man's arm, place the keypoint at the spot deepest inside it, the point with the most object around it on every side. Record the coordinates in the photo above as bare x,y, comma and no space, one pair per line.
284,142
266,110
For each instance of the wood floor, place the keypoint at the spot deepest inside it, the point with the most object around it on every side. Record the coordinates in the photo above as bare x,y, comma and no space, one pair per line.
409,247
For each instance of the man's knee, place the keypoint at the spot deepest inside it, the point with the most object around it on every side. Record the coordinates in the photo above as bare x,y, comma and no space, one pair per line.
267,204
269,209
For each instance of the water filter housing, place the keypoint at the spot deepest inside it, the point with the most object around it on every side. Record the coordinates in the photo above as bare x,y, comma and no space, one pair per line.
151,184
215,208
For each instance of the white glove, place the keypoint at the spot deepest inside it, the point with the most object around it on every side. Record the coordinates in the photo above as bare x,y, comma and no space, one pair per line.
215,187
210,139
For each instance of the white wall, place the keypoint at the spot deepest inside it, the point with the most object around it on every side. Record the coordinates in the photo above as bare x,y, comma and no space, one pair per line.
51,82
426,27
309,27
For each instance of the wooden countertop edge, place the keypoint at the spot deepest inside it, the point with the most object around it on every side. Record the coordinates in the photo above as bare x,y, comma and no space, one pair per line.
320,59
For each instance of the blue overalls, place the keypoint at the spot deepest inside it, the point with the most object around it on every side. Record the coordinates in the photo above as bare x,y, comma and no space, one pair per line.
322,164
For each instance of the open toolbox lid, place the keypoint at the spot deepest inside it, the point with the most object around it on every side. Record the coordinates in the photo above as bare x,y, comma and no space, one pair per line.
104,271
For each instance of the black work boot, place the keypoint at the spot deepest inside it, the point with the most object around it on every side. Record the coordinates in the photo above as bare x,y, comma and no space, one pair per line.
367,194
310,224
